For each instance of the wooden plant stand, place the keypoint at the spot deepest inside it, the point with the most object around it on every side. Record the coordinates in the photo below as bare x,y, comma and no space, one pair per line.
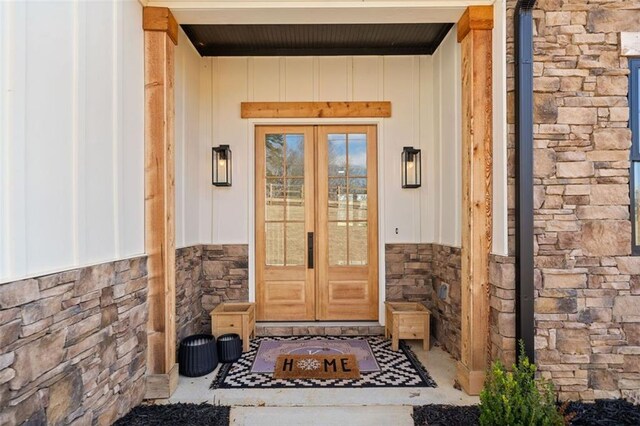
406,320
232,317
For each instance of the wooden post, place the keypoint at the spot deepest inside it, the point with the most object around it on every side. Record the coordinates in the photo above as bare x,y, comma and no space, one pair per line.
474,35
160,37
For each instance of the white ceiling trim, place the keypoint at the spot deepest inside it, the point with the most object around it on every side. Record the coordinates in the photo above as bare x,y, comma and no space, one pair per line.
316,12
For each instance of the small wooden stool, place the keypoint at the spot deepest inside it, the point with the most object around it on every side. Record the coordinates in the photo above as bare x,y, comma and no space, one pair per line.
233,317
407,320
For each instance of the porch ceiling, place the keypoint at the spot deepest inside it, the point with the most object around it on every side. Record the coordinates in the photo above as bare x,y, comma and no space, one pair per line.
317,40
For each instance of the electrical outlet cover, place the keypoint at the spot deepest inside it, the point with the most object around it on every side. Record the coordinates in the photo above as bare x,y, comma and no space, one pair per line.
443,291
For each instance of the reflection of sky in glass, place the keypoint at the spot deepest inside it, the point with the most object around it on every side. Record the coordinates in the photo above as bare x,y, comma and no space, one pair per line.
295,155
357,154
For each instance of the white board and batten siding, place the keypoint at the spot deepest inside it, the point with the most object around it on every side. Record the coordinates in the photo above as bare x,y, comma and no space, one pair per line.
188,158
426,113
71,135
403,80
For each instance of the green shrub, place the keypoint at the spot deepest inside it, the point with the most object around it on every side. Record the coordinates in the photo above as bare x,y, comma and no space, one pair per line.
517,398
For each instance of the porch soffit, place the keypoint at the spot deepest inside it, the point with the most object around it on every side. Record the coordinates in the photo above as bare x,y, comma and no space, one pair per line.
317,39
316,12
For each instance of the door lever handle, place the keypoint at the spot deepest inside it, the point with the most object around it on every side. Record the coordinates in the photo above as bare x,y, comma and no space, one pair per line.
310,250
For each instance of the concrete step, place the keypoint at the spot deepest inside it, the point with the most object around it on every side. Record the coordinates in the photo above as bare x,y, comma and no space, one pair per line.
322,416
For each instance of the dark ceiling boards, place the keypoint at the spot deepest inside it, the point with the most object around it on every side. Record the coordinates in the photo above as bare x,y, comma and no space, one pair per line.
316,40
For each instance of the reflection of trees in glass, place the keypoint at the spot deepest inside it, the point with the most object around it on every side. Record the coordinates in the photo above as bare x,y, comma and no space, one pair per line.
295,155
275,155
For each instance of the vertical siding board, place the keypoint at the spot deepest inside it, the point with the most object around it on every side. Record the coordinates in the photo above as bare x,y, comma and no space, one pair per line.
49,136
100,134
232,90
14,255
205,218
131,203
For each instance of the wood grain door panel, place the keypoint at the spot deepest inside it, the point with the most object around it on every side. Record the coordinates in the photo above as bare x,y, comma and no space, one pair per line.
285,206
347,223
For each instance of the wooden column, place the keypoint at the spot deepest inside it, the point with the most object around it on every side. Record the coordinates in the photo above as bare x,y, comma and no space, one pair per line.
160,38
474,35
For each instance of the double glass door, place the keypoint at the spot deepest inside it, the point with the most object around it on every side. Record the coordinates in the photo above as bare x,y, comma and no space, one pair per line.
316,223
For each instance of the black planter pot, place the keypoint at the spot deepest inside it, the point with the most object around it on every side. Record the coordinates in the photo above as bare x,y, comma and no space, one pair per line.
229,348
197,355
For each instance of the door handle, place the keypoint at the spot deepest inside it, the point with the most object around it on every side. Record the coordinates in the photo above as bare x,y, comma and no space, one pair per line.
310,250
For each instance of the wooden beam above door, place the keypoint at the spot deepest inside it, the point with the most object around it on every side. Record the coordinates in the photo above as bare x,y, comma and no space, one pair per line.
315,109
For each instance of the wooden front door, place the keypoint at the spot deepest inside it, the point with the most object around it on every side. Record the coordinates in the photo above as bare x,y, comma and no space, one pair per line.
316,223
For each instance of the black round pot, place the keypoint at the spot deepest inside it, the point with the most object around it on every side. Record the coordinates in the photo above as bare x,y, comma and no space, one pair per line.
197,355
229,348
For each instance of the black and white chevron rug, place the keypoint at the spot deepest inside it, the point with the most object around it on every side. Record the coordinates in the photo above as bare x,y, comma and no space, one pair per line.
397,369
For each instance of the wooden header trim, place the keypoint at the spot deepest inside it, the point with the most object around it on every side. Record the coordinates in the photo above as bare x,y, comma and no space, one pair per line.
160,19
475,18
315,109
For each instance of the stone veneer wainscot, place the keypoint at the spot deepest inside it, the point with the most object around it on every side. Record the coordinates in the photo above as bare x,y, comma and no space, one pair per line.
73,345
414,273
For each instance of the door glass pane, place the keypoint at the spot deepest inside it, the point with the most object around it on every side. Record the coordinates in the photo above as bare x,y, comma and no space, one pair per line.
636,196
274,196
357,154
295,244
295,199
358,243
337,199
337,243
337,146
295,155
274,145
274,243
358,199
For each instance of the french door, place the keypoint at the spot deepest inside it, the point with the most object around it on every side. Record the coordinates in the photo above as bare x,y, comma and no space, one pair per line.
316,223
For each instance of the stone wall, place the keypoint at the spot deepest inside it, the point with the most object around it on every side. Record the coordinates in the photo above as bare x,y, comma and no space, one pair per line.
188,292
447,293
415,273
502,303
225,277
408,273
587,291
73,345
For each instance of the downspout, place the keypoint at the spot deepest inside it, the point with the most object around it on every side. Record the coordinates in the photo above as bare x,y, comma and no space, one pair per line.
525,324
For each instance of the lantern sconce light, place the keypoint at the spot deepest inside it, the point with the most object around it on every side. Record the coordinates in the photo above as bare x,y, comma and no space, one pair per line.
411,167
221,162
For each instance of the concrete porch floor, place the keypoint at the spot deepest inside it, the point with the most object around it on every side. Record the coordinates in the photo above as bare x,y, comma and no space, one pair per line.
368,406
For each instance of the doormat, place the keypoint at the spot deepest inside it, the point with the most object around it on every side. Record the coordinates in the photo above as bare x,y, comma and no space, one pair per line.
316,367
270,350
396,369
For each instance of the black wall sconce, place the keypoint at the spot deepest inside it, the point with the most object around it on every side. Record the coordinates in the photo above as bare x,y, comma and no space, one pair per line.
411,167
221,164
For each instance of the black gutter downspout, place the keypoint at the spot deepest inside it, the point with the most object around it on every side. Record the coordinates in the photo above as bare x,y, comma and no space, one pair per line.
525,324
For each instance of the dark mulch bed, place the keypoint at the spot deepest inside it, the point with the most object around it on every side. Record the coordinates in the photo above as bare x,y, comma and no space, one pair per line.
446,415
176,414
604,412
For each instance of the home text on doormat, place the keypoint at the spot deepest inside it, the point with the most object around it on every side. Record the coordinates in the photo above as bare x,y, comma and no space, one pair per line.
316,367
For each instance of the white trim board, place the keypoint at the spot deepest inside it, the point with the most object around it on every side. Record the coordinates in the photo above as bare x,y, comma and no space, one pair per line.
317,12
